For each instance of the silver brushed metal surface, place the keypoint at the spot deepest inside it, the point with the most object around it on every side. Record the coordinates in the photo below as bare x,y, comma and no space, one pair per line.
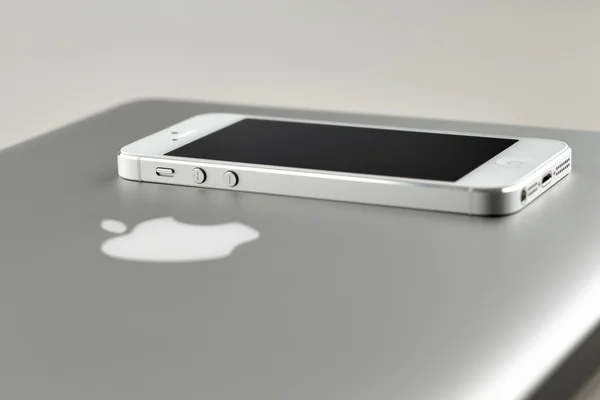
334,301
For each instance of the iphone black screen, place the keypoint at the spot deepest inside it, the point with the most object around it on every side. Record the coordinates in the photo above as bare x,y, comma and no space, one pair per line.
358,150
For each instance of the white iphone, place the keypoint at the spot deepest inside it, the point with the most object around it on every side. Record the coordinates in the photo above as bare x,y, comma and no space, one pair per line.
432,170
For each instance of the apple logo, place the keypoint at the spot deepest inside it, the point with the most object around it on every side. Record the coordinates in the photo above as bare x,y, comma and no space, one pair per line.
168,240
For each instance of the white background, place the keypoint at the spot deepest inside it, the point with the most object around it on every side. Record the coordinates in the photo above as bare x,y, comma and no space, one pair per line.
518,62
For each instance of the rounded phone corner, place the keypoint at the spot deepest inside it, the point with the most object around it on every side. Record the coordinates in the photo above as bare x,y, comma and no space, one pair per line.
128,167
561,146
566,147
494,202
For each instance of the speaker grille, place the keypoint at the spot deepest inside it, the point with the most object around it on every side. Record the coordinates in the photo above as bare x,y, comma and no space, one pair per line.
560,168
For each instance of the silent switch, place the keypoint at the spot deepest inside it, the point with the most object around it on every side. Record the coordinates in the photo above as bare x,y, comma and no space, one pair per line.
165,171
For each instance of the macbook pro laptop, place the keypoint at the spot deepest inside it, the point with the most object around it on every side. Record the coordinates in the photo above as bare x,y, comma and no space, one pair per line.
306,299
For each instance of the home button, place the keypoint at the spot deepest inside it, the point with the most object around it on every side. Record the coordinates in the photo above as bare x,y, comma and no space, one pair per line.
514,162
